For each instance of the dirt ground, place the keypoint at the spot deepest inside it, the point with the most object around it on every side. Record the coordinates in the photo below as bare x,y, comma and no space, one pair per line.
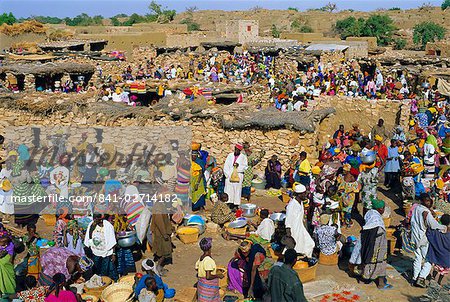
181,275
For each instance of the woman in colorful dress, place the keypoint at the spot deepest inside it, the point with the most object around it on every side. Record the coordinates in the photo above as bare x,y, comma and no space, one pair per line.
208,289
348,188
31,265
197,182
72,238
59,260
7,276
368,179
60,226
183,177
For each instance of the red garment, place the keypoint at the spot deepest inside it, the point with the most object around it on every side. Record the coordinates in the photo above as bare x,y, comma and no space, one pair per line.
382,153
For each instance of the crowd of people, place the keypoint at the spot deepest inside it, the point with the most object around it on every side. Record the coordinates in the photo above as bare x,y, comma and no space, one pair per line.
353,166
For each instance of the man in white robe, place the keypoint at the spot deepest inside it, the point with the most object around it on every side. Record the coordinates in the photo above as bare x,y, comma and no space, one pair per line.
304,244
238,160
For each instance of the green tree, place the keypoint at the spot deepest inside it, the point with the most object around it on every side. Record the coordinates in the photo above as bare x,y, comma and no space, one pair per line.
293,8
115,21
445,4
46,19
8,19
163,15
379,26
428,32
399,43
97,20
275,31
349,27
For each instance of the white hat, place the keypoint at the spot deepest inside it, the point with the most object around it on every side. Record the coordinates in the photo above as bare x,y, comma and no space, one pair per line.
148,267
299,188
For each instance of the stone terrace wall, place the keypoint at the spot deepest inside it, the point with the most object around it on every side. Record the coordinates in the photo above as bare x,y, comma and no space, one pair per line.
219,142
363,112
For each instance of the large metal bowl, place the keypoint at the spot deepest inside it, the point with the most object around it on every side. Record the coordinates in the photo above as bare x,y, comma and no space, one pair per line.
126,239
237,224
278,216
369,157
248,210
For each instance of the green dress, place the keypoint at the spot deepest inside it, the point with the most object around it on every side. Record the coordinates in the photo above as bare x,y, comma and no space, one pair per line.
7,276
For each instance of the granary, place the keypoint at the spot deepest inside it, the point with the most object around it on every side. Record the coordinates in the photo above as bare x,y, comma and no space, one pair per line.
45,75
74,45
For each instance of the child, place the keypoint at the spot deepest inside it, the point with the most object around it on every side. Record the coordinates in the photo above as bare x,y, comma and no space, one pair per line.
266,228
439,249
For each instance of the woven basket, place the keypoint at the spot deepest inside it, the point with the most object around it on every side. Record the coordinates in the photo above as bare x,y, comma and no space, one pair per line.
307,274
223,283
49,219
188,234
118,292
387,221
329,259
89,298
97,291
239,231
127,279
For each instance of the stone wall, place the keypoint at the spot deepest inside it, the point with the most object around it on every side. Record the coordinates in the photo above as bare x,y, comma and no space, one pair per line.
220,142
363,112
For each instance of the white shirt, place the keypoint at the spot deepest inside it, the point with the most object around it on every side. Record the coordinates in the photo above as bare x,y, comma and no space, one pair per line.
266,229
419,225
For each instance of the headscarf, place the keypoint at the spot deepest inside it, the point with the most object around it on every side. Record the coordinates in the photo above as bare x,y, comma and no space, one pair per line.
24,154
431,139
373,220
205,244
245,246
377,204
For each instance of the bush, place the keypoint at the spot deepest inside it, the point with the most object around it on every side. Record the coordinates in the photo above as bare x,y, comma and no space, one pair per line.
399,43
394,8
275,31
427,32
296,25
191,25
7,18
445,4
306,29
293,8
